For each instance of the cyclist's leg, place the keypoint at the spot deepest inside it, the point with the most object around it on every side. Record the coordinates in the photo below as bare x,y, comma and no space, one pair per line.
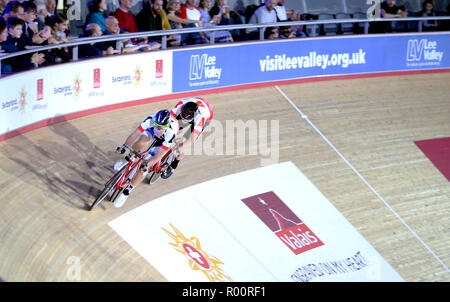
179,156
138,177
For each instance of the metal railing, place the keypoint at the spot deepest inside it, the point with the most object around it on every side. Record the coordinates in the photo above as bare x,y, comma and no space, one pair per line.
74,43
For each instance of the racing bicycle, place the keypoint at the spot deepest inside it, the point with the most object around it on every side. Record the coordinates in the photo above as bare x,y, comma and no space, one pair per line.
122,178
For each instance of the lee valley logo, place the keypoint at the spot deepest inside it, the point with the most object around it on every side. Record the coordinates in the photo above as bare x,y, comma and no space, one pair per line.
203,67
423,52
283,222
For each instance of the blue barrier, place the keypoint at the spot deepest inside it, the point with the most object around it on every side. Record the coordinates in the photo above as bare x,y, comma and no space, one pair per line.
214,67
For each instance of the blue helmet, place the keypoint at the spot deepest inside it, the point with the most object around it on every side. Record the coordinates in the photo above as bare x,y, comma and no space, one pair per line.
162,119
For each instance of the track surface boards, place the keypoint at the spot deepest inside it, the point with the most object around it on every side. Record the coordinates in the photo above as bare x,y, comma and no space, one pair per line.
49,176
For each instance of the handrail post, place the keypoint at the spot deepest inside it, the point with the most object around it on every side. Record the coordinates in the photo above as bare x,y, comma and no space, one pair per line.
75,53
212,37
420,26
164,42
119,45
366,28
261,33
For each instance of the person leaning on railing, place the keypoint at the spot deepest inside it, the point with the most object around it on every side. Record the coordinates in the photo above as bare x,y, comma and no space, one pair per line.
12,44
428,11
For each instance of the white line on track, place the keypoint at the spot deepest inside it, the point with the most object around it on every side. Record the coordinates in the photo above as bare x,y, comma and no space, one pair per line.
304,116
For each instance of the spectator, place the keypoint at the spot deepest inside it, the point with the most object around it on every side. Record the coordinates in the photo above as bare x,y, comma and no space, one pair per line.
226,16
60,27
125,18
428,11
112,26
97,13
3,7
271,33
189,11
284,14
15,28
219,36
31,32
286,32
13,9
172,10
152,17
265,13
6,68
390,10
95,49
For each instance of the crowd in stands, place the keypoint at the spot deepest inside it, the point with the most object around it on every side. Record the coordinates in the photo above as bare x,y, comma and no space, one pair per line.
32,23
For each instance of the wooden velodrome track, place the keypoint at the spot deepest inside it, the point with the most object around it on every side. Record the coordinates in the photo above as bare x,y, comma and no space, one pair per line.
49,176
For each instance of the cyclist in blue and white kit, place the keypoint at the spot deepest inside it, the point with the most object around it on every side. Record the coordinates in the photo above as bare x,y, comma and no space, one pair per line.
160,125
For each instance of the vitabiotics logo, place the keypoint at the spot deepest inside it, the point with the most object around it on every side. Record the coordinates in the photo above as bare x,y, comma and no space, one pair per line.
283,222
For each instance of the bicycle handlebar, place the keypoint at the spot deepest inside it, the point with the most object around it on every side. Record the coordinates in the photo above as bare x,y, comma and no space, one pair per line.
134,151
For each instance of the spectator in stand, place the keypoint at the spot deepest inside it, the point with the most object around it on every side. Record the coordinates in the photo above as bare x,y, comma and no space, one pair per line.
390,10
190,11
265,13
95,49
125,18
31,33
172,10
13,9
262,15
6,68
12,44
3,7
97,13
227,16
219,36
152,17
428,11
284,14
286,32
271,33
112,26
60,27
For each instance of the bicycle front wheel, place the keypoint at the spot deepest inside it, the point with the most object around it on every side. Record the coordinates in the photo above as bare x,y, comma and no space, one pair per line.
108,188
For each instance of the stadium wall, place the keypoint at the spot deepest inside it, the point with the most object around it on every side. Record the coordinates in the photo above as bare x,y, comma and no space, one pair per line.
44,96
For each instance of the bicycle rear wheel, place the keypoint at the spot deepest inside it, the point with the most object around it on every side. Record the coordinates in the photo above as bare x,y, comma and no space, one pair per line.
108,188
154,177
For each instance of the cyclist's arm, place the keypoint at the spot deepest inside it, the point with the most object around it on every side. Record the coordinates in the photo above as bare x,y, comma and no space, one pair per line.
157,157
133,136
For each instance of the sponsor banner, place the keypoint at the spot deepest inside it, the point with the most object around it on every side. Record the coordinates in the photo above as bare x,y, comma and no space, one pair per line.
34,96
267,224
290,59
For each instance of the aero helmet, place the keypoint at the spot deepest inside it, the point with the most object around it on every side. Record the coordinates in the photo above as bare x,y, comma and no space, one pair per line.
162,119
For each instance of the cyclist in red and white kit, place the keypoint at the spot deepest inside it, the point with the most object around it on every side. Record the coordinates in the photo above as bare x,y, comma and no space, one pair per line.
161,126
193,112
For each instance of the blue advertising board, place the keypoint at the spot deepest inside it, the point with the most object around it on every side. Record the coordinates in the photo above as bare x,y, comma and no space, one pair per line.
221,66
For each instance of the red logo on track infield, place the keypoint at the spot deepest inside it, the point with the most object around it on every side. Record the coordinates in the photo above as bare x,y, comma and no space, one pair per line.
283,222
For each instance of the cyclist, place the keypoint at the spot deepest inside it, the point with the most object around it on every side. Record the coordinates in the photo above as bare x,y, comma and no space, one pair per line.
193,112
161,126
